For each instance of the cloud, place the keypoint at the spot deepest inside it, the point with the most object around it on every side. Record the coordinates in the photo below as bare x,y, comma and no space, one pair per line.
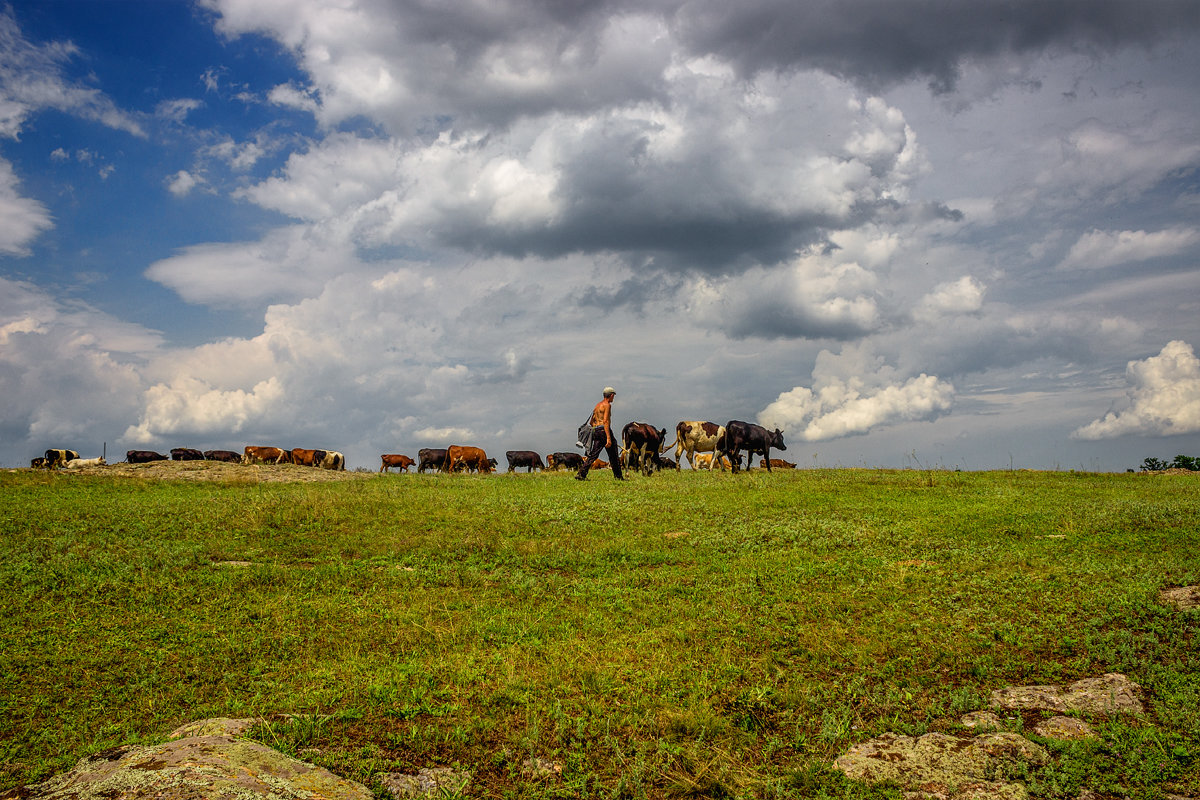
182,183
1163,398
1102,249
964,296
193,407
32,79
853,394
21,219
177,110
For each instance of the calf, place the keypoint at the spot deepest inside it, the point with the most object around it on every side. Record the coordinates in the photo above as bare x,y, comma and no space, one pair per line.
82,463
38,463
777,463
399,461
523,458
568,460
641,443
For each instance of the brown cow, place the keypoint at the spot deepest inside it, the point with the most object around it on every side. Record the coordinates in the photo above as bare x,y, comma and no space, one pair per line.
468,458
389,461
265,455
777,463
307,458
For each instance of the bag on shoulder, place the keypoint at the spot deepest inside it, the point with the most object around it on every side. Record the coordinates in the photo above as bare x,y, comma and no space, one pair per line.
585,435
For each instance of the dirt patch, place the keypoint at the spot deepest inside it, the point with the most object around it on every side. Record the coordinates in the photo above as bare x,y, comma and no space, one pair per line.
219,471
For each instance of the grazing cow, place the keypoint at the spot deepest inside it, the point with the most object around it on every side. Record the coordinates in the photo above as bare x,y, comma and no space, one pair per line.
228,456
308,458
523,458
642,441
38,463
265,455
331,459
389,461
144,456
186,454
751,438
57,458
695,436
469,458
81,463
560,460
777,463
432,457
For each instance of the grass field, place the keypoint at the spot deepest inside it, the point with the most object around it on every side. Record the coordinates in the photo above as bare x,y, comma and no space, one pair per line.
686,634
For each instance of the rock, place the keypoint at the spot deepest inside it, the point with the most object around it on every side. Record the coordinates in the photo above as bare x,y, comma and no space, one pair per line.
217,726
1185,598
940,766
211,767
983,720
1109,694
432,782
1064,728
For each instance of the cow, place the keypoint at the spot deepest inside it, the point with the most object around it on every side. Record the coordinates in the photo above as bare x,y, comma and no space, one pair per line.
777,463
265,455
399,461
81,463
308,458
600,464
143,456
56,458
228,456
568,460
523,458
38,463
469,458
751,438
186,454
331,459
641,442
432,457
695,436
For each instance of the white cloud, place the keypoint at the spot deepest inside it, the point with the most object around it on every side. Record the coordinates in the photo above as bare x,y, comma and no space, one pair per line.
1101,249
177,110
182,183
1163,398
190,406
964,296
21,219
853,394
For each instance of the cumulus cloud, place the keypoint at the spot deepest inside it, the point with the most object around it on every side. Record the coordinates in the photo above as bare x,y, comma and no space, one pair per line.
853,394
193,407
182,183
964,296
1102,249
1163,398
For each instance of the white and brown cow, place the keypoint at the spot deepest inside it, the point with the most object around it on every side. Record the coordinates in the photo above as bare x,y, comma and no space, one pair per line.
696,436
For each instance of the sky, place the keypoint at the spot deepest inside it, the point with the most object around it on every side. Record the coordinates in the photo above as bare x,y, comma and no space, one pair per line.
959,234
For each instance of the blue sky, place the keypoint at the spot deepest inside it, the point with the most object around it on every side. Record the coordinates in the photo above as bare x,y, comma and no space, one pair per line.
907,233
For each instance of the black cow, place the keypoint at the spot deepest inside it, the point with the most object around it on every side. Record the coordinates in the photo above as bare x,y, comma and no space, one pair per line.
568,460
642,442
143,456
186,454
523,458
751,438
433,458
223,455
665,463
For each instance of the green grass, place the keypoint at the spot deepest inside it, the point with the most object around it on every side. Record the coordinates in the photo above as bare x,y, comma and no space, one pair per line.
689,634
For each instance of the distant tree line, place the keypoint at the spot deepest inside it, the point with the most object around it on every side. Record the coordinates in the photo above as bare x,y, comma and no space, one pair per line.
1181,462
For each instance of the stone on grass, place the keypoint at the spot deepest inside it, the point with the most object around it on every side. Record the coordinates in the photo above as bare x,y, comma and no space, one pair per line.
1109,694
1185,598
431,782
217,726
940,766
213,767
1064,728
982,720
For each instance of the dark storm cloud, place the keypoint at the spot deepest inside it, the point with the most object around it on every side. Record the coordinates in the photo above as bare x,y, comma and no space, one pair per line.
883,42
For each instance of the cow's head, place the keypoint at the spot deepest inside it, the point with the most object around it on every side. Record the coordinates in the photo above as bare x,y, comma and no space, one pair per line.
777,440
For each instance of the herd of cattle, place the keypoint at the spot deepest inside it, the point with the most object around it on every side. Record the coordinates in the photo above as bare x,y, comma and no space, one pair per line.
706,445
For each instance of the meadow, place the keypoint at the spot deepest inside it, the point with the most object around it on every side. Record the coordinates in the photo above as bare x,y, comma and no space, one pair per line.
683,635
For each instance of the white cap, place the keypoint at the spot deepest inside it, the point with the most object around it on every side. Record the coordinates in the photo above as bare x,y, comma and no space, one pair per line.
609,390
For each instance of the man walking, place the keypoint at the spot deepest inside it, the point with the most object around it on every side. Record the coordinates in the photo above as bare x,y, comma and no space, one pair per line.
602,438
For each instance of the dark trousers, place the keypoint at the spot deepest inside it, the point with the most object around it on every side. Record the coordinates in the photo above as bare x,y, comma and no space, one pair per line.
599,437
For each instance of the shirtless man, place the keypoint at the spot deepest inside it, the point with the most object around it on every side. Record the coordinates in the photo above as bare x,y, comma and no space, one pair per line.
602,438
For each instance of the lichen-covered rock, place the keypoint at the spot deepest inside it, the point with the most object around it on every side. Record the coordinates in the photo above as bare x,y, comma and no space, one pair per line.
432,782
219,767
982,720
940,766
1109,694
1064,728
217,726
1185,598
